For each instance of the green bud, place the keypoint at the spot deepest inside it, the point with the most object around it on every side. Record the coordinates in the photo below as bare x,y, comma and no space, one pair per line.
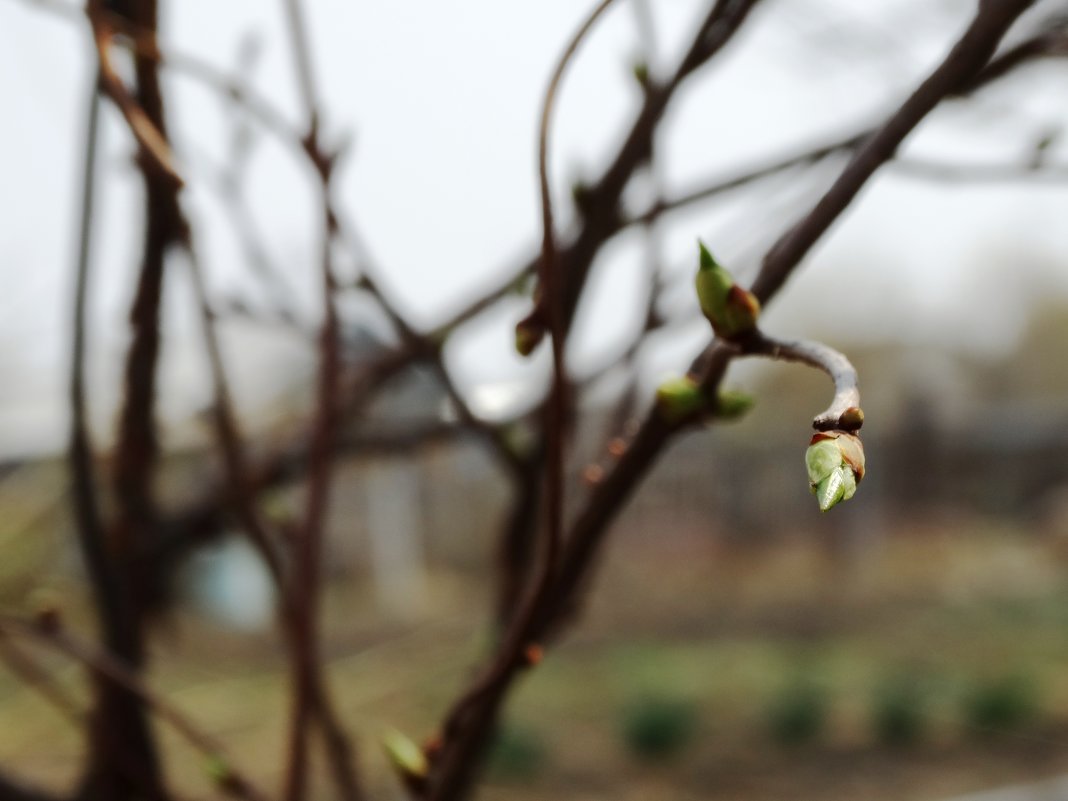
528,336
731,309
218,769
582,197
835,464
733,404
679,398
406,757
641,73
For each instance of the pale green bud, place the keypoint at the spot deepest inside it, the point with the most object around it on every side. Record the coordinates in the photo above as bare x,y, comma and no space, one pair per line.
218,769
733,404
835,464
730,309
640,70
528,336
407,758
679,398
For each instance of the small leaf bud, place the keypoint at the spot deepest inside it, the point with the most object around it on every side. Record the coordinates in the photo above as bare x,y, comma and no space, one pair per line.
835,465
733,404
679,398
731,309
408,759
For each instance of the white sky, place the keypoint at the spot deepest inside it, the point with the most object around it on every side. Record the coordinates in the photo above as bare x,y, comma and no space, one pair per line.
441,100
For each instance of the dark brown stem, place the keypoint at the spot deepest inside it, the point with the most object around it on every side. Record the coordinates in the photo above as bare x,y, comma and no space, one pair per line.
228,435
119,732
310,696
468,723
10,790
145,126
552,286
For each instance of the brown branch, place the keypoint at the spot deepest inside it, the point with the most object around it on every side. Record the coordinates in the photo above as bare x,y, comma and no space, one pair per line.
967,58
990,23
844,413
228,435
118,731
954,173
1049,43
113,609
600,204
155,149
467,724
310,697
552,286
430,347
35,676
10,790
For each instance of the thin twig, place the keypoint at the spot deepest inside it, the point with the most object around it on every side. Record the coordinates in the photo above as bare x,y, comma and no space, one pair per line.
228,433
153,141
310,698
35,676
552,285
844,412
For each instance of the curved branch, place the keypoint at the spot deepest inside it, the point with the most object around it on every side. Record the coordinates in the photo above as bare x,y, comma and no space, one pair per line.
553,287
844,413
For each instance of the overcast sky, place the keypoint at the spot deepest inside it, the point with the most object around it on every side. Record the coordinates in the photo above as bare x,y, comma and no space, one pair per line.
441,102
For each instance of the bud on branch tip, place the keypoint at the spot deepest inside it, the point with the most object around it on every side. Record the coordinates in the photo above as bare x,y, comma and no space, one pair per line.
835,464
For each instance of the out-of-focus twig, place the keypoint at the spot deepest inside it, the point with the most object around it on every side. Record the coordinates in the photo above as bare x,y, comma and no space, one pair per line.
311,700
155,148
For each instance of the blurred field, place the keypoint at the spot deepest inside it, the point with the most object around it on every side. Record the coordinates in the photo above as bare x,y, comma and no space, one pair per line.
959,614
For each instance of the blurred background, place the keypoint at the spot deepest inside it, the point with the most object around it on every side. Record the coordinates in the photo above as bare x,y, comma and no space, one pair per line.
735,643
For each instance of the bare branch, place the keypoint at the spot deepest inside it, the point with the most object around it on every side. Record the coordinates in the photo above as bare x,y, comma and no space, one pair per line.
967,58
844,413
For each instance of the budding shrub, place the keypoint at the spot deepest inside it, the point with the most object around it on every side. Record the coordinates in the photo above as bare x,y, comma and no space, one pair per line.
657,727
1000,705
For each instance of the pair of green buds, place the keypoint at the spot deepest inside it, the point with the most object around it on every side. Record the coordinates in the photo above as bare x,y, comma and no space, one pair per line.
835,463
733,311
683,399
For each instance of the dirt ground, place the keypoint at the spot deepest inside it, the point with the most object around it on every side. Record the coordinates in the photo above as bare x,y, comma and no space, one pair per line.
728,634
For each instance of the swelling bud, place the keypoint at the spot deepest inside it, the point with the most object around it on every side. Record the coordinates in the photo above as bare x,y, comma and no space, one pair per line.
731,309
679,398
835,464
408,760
